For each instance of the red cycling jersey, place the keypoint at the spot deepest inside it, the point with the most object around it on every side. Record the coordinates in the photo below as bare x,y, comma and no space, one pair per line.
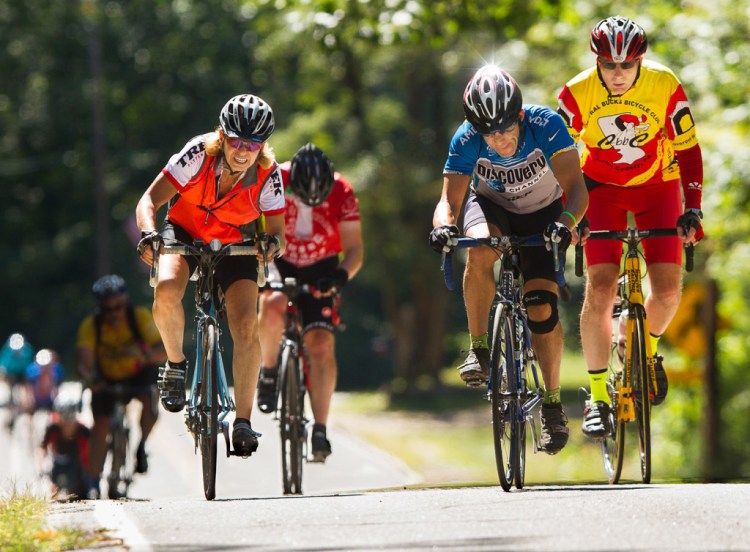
197,209
312,233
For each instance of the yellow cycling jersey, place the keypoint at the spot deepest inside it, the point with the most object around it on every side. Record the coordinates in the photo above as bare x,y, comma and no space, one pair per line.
119,354
629,140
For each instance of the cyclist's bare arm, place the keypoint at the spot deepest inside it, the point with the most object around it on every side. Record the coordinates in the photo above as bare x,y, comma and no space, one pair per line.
275,227
449,207
567,168
158,194
352,246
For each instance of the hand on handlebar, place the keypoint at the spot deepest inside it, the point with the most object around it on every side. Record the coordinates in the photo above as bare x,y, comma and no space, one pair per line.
689,228
332,283
145,246
443,238
557,232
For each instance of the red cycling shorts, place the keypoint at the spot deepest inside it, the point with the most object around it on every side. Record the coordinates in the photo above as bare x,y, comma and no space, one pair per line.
653,206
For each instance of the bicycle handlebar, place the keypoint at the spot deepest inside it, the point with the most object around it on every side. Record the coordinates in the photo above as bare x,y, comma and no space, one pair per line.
506,243
632,234
214,247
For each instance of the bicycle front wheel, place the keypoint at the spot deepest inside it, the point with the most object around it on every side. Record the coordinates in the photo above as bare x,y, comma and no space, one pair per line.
642,391
209,410
504,398
118,480
292,423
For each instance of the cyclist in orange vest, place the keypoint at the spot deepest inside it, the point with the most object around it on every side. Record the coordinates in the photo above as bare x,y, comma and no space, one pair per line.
216,187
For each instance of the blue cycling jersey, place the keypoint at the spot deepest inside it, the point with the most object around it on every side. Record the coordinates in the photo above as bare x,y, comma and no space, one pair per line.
520,184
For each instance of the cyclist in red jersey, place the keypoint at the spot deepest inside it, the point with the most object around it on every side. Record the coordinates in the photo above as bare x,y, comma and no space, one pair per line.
324,250
217,186
640,155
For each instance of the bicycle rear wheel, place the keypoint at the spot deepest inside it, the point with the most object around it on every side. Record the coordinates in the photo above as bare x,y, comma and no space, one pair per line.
292,424
208,411
613,445
642,390
505,408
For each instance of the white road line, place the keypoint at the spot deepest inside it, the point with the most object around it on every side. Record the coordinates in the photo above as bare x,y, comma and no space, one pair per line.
111,516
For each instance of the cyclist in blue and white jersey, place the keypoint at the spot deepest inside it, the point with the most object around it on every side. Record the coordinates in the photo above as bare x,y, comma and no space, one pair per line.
523,174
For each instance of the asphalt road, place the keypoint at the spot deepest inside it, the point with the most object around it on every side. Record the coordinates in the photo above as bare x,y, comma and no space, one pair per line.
363,499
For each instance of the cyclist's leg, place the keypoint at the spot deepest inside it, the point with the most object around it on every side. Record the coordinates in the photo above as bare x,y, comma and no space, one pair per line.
482,218
320,346
664,259
102,406
271,315
149,413
169,314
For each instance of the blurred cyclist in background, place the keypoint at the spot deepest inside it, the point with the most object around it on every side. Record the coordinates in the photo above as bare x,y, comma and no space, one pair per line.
43,376
118,344
16,355
67,441
324,250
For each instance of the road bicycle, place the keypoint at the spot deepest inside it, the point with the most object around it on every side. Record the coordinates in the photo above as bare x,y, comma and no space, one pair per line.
121,461
514,389
292,389
209,400
634,377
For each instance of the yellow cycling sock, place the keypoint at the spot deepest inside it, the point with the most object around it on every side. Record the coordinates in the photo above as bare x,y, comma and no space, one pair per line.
654,342
598,380
479,341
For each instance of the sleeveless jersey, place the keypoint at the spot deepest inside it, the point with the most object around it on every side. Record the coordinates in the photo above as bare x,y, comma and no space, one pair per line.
520,184
197,209
312,233
629,140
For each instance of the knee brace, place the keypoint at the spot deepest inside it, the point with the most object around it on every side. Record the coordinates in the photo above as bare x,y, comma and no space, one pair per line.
540,297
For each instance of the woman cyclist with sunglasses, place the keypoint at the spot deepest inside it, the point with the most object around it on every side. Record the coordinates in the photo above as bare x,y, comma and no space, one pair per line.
216,187
640,154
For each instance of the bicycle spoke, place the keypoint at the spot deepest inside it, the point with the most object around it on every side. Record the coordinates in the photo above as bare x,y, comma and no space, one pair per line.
208,412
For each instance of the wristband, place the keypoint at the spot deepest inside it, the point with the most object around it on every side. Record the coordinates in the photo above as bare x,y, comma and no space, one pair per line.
571,215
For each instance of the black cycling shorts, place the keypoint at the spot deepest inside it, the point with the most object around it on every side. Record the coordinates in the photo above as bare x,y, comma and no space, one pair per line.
316,313
536,262
103,401
228,270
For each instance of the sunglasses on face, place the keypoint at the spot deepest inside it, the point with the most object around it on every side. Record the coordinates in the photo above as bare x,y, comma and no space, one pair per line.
238,143
503,132
611,65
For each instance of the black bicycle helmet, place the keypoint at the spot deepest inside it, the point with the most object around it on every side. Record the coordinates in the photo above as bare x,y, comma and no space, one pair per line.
247,117
311,175
619,39
492,100
108,286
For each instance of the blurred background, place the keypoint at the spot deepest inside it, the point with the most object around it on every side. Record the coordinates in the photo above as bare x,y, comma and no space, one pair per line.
95,96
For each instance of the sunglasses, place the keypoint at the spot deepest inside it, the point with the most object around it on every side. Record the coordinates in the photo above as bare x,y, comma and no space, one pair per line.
611,65
112,308
238,143
505,131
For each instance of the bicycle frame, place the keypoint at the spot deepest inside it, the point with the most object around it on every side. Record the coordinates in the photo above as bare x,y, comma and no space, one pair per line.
209,400
628,405
512,356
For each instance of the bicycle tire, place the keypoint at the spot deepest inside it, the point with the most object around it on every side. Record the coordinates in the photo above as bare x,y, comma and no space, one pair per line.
292,430
613,445
117,480
208,411
520,436
504,408
642,390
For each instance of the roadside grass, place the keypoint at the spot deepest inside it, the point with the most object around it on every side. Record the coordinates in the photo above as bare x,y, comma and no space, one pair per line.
24,528
444,434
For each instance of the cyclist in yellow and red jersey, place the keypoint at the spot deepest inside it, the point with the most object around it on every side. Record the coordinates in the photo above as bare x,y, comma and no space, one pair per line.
640,155
325,250
216,187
